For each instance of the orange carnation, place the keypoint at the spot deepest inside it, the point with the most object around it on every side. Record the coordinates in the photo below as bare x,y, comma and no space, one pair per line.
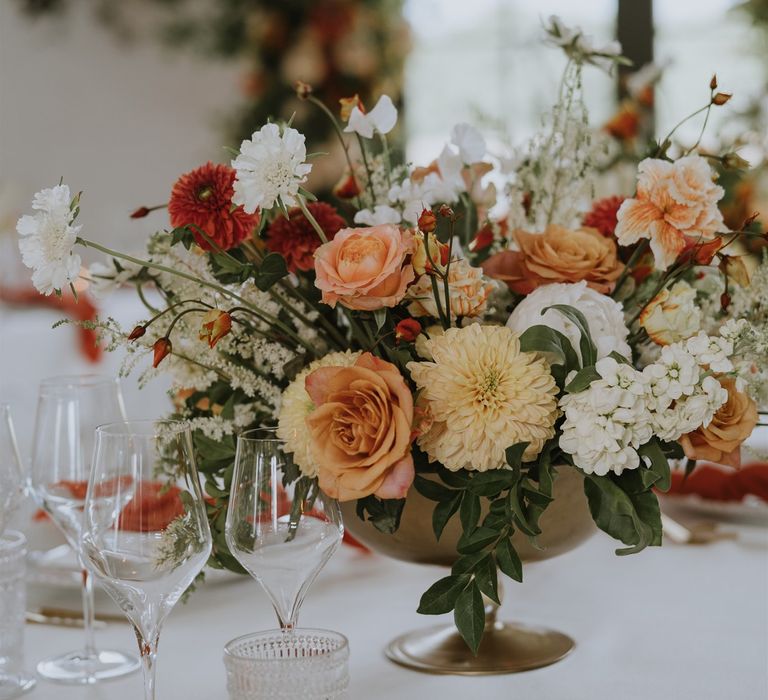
557,255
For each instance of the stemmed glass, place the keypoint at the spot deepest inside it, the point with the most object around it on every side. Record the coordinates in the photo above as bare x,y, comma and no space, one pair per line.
11,479
69,409
145,530
282,533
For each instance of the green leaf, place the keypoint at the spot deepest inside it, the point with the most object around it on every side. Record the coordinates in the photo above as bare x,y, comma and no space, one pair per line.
380,316
508,560
514,454
492,482
659,466
383,514
443,513
586,344
469,616
487,579
271,270
619,358
470,511
632,518
546,339
456,480
467,562
210,449
584,377
441,596
518,514
477,539
433,490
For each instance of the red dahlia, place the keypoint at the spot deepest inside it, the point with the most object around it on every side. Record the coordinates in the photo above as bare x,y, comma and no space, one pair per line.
203,198
603,215
296,240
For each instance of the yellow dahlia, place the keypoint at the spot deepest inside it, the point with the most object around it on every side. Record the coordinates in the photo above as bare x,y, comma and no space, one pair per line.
296,406
484,395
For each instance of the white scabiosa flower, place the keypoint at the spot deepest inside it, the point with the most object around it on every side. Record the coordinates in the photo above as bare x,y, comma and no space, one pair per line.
270,166
604,316
381,118
380,214
606,423
47,239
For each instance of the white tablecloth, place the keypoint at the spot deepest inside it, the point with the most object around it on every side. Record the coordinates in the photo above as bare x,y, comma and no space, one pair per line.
672,623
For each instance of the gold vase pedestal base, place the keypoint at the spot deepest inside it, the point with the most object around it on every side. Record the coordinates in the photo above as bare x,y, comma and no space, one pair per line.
506,648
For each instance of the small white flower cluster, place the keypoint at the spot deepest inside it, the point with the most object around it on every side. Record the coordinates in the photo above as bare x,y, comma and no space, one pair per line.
605,424
618,413
47,239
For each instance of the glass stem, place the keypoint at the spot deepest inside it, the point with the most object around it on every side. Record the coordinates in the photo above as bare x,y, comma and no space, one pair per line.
148,653
88,612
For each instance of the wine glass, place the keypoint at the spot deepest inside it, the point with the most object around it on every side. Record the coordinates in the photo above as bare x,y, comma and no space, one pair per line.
11,479
68,410
281,533
145,531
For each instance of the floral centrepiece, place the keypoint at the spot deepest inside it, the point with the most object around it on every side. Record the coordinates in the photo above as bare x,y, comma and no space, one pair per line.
467,328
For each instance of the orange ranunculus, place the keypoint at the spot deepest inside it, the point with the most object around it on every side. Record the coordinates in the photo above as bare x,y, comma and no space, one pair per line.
557,255
365,268
361,429
675,203
720,441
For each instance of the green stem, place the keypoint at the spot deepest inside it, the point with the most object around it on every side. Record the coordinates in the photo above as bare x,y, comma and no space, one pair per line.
311,219
388,162
680,123
368,172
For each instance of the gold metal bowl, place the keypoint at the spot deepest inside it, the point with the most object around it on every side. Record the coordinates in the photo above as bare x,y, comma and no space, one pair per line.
506,647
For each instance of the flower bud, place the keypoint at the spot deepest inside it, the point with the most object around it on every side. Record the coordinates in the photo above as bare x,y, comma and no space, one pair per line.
713,82
721,98
725,301
427,221
734,268
303,90
137,332
407,330
347,187
216,324
483,238
733,161
140,213
161,349
446,211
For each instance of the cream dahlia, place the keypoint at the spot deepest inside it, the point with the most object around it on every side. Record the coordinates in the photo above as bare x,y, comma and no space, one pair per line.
484,395
296,406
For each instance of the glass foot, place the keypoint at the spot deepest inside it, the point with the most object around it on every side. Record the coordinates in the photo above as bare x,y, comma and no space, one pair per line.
14,686
506,648
77,667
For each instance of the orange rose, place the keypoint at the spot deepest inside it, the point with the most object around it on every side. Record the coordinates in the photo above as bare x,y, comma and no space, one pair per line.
557,255
365,268
720,441
361,429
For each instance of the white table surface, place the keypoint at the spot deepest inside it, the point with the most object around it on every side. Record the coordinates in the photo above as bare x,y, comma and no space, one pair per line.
672,623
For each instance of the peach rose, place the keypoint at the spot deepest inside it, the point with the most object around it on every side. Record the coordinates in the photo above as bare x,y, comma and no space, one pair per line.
361,429
672,315
365,268
468,291
557,255
720,441
675,203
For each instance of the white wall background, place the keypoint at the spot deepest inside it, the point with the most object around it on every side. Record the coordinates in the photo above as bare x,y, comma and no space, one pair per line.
119,122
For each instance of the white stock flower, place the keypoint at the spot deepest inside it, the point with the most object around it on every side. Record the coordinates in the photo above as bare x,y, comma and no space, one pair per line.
606,423
675,374
47,240
381,118
712,351
604,316
380,214
270,166
470,143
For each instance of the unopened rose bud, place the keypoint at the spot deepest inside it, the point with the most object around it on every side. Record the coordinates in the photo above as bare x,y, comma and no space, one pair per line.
445,211
713,82
137,332
733,161
407,330
725,301
161,349
427,221
721,98
216,324
303,90
347,187
140,213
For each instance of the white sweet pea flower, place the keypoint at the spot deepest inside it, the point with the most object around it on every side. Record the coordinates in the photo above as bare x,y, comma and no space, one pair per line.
47,240
470,143
380,214
381,118
582,47
270,166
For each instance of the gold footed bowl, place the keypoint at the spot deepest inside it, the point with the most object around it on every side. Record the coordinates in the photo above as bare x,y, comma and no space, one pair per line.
506,647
